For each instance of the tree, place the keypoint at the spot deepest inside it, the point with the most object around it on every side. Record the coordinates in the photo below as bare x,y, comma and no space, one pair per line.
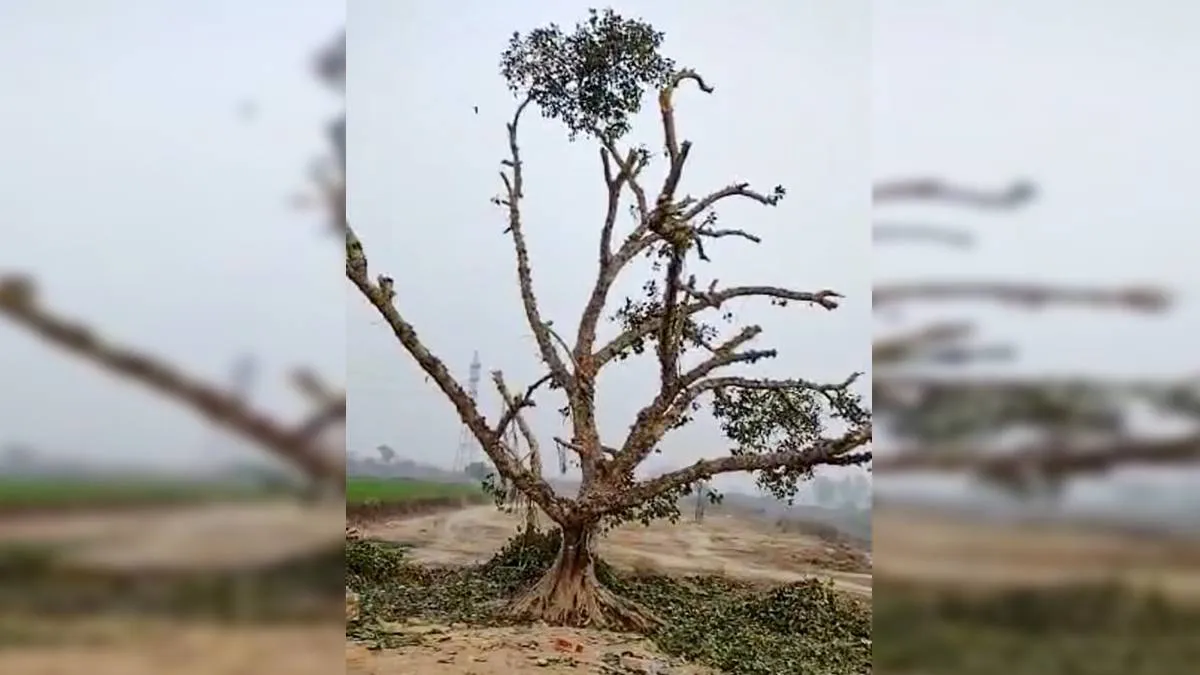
1076,425
386,453
592,81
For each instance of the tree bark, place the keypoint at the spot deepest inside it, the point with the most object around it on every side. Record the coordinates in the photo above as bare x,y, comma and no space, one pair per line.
570,594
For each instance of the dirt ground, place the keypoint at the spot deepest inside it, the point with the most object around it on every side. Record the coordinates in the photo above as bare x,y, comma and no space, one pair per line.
722,544
240,534
505,651
924,545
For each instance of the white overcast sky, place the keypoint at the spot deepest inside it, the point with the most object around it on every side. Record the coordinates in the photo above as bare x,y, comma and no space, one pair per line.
791,106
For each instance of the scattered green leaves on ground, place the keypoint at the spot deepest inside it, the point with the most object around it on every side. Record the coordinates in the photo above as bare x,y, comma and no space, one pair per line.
739,628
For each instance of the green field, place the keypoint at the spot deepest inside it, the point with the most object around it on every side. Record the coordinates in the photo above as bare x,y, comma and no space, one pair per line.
383,490
23,492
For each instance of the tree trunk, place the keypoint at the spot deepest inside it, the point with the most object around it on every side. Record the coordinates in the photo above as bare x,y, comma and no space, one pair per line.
569,594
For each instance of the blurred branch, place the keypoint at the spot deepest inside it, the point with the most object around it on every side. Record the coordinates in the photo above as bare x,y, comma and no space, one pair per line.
898,232
955,424
1133,298
1046,460
901,348
18,302
1015,195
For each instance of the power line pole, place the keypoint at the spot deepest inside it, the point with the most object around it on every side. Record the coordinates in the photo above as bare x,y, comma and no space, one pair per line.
468,447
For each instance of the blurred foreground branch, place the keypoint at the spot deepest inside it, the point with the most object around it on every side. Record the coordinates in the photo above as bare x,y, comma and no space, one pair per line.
957,424
301,444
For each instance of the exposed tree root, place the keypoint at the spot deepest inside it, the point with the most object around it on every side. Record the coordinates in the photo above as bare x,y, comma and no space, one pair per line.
570,594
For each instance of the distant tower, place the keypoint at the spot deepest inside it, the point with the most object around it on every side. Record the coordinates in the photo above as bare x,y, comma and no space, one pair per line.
468,448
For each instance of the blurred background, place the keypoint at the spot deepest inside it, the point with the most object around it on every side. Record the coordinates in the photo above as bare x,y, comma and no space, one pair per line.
171,337
1035,377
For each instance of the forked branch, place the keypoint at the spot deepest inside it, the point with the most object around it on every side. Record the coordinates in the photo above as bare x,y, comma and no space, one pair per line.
711,299
515,404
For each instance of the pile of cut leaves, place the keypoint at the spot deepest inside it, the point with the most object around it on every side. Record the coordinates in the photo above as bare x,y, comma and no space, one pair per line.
738,628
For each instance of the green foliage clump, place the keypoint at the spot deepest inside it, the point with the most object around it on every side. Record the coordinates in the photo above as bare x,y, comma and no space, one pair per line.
591,80
804,627
370,560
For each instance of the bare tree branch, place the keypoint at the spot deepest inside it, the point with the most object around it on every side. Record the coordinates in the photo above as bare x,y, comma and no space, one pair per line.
514,404
515,192
935,190
903,347
712,300
894,232
381,294
1048,460
18,301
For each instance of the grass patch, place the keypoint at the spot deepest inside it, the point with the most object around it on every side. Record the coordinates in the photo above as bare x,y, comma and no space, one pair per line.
1085,629
738,628
385,490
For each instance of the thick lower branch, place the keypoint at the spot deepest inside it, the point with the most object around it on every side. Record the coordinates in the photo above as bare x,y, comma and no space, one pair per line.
828,452
656,419
381,296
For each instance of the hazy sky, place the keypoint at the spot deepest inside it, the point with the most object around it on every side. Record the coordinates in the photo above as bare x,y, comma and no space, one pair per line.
1095,101
791,106
148,208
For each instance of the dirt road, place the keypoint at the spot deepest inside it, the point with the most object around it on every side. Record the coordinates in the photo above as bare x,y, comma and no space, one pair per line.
722,544
209,536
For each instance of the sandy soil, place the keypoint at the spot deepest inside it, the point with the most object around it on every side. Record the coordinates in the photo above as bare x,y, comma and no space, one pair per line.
722,544
924,545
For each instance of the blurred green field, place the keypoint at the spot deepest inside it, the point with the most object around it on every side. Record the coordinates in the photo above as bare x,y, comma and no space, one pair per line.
385,490
32,493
